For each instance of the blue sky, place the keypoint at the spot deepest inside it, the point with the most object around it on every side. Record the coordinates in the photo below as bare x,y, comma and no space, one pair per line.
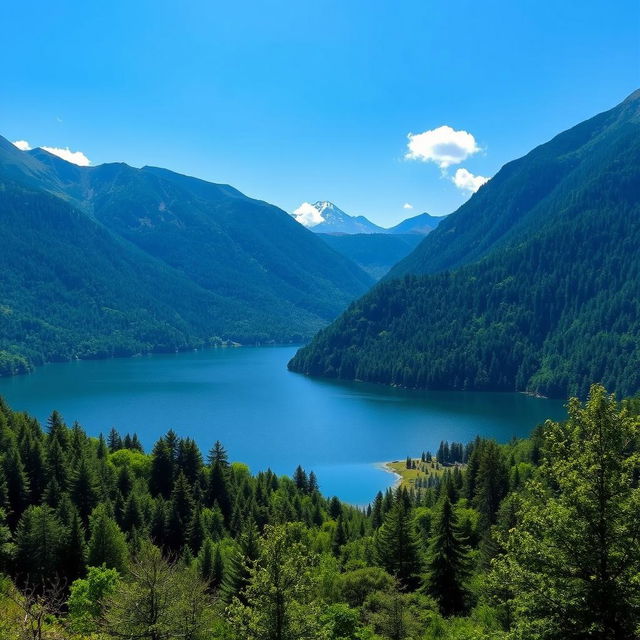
302,101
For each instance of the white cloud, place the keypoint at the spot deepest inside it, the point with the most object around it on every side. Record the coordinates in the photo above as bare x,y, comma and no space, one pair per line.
75,157
23,145
466,181
407,205
307,215
444,146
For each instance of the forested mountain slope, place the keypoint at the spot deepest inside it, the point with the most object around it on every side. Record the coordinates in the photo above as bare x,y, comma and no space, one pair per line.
551,305
529,193
113,260
375,253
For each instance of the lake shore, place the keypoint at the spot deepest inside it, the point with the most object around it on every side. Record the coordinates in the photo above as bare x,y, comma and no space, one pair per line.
386,466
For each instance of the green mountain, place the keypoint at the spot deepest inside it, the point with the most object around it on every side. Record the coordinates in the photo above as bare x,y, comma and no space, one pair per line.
533,284
112,260
375,253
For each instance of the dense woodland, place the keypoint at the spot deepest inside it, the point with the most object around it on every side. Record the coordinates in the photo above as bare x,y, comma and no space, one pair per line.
533,285
110,260
535,539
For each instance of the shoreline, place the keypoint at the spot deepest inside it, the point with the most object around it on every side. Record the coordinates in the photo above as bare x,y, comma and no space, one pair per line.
385,466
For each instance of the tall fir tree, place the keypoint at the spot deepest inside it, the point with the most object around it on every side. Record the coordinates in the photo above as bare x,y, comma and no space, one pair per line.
446,564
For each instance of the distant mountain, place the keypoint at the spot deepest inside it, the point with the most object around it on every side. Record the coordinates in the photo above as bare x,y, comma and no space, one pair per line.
533,284
335,220
111,260
375,253
422,224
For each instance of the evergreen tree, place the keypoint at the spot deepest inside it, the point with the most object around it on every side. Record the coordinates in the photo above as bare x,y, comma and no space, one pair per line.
17,483
40,540
396,544
447,561
161,478
219,491
179,515
74,550
84,490
492,483
238,568
300,479
114,441
377,516
279,595
572,561
107,544
218,454
339,537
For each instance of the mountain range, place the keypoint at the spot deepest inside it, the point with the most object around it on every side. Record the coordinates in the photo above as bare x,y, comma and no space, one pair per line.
335,221
532,285
373,248
114,260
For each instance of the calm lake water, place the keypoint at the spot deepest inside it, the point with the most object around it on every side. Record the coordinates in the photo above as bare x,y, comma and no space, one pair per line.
268,417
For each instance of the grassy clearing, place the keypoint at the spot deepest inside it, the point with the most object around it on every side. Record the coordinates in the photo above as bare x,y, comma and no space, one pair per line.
408,477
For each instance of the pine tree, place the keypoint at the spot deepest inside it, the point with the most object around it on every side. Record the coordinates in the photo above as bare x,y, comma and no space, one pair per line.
179,515
396,544
446,563
218,454
74,550
335,508
107,543
161,477
189,460
40,540
377,516
313,483
217,569
84,490
57,431
238,568
35,464
339,537
492,483
114,441
17,483
219,491
300,479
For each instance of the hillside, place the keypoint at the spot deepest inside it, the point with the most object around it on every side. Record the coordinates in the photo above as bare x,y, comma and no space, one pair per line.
375,253
549,298
422,224
112,260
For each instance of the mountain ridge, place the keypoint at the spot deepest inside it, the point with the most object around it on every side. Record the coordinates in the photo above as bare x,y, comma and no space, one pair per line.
532,285
254,273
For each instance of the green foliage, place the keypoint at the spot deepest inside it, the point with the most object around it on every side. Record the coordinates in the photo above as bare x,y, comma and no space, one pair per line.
447,565
107,544
571,563
158,599
279,594
536,539
88,595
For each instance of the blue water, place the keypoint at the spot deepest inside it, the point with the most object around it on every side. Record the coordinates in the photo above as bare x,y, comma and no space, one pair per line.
267,416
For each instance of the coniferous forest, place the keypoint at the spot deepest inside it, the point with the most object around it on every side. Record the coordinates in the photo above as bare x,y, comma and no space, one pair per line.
537,538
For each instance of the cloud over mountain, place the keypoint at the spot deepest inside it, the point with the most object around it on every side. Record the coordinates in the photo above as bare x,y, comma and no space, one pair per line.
76,157
444,146
466,181
308,215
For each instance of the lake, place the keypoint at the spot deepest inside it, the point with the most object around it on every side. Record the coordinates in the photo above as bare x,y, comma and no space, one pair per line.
267,416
